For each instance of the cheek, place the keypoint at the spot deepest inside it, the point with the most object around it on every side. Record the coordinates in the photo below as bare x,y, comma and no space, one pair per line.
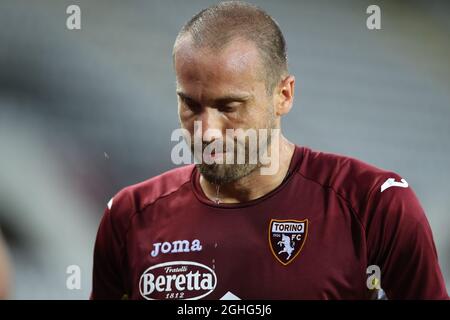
186,117
187,124
187,121
259,115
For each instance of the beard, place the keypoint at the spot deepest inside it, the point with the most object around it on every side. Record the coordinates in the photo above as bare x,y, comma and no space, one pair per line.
220,174
224,173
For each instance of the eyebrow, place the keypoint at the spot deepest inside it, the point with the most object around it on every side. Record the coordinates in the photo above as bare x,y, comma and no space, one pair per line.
221,100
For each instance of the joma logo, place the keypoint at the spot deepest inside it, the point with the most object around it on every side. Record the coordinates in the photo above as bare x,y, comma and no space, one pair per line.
176,246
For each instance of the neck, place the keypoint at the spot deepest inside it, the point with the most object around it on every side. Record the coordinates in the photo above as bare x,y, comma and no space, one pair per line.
255,185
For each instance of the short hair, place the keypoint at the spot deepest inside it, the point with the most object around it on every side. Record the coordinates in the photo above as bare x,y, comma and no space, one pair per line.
216,26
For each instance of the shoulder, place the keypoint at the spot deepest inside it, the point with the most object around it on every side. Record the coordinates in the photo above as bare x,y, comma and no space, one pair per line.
351,179
134,198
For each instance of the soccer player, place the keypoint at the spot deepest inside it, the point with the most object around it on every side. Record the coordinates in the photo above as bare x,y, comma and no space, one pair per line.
320,226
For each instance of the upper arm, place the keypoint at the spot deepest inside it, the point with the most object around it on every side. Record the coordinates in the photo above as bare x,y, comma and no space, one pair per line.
400,242
107,280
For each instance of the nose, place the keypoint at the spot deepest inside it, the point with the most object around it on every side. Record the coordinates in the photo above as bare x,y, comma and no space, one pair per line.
212,124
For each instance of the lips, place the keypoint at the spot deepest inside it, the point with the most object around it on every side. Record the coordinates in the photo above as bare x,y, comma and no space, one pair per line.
213,156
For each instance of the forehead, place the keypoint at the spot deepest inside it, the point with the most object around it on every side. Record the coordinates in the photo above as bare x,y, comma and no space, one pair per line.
234,67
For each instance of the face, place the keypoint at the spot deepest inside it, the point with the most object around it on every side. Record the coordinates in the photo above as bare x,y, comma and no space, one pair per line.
223,90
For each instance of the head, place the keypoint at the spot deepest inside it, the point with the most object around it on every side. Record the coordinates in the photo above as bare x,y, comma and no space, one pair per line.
231,68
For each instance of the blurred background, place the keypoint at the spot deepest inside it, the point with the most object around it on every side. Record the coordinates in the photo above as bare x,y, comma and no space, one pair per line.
84,113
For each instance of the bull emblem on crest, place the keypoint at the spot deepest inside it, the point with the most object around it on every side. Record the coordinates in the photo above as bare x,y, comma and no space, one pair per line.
287,245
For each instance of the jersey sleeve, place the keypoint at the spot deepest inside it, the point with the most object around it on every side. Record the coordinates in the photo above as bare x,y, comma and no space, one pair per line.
400,242
107,282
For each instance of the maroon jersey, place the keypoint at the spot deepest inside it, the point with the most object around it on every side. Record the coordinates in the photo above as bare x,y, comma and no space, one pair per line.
313,237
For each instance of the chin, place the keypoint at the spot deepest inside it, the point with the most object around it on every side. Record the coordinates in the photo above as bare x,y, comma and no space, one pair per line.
224,173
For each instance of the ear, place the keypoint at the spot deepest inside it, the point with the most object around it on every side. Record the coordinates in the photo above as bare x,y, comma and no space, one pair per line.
284,95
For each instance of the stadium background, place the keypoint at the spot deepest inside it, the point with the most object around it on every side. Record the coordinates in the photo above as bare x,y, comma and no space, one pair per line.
85,113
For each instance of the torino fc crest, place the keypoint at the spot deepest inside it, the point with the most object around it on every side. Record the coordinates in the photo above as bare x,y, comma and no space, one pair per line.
286,238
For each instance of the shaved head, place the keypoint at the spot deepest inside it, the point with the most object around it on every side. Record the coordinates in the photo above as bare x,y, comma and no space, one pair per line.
214,28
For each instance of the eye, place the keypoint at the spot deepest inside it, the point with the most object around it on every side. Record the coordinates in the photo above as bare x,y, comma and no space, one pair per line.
191,104
228,107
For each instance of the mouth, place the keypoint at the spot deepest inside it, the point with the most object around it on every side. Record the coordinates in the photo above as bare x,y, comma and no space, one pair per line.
214,156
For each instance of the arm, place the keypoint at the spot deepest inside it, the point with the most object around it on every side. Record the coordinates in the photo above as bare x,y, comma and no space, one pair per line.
107,273
400,242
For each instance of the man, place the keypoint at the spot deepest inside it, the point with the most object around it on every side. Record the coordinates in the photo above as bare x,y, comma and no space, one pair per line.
311,229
